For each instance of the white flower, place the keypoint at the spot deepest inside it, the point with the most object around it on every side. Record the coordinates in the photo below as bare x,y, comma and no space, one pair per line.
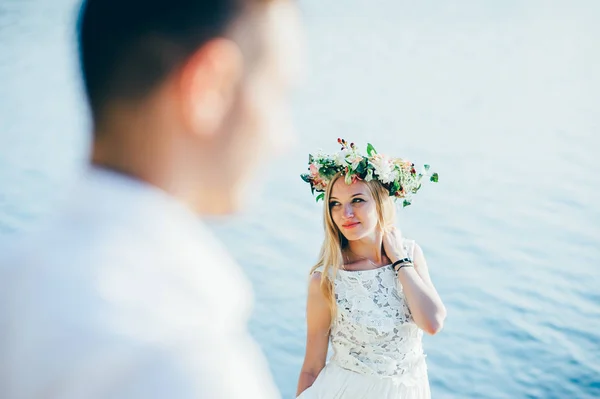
354,159
340,157
384,168
319,156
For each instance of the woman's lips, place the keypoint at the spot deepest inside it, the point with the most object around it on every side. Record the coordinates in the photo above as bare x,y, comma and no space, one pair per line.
350,225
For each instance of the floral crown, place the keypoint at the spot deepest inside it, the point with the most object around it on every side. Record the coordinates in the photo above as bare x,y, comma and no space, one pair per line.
397,175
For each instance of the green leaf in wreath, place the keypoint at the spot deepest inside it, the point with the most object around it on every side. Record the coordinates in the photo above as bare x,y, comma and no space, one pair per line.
370,150
362,167
405,203
395,187
305,177
320,197
434,178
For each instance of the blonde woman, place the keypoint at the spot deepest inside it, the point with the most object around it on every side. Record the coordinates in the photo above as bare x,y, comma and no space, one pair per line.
370,294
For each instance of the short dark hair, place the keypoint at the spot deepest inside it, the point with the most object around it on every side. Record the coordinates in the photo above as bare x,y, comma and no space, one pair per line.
128,47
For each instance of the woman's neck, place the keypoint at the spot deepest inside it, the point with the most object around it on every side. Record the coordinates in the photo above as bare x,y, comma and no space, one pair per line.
369,248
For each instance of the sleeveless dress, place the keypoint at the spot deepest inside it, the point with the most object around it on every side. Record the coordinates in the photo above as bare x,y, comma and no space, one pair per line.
377,347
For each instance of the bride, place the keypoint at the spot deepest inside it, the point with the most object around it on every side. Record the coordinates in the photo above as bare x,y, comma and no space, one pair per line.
370,293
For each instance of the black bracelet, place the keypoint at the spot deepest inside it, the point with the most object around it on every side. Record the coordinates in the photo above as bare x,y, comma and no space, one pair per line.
401,261
407,264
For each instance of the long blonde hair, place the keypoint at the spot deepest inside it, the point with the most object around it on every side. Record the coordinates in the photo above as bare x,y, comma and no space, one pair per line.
330,257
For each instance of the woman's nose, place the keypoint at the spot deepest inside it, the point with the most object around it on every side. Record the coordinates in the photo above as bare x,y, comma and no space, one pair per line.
348,212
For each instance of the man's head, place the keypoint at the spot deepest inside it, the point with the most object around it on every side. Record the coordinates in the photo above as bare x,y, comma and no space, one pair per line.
201,84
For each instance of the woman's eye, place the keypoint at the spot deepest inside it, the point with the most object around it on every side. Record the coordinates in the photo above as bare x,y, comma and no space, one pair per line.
358,200
333,203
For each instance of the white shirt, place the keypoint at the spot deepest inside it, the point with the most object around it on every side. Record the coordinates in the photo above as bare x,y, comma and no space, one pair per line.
126,295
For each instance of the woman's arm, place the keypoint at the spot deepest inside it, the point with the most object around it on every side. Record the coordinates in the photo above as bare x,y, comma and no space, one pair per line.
424,302
318,321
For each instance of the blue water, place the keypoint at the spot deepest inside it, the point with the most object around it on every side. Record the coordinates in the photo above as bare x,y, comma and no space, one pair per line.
500,97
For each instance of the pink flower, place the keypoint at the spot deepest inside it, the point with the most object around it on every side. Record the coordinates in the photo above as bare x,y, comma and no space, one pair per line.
314,170
319,184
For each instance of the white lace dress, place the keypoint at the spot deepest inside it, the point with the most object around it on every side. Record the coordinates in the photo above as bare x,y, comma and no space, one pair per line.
377,347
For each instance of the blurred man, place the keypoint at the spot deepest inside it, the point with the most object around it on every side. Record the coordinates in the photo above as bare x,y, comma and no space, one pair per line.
126,294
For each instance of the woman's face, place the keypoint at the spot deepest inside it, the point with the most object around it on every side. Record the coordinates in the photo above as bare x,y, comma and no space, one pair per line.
353,209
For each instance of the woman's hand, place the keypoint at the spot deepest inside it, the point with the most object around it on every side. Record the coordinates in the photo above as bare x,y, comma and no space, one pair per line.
393,244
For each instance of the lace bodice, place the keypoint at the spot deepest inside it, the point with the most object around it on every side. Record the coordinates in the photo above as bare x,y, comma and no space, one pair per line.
374,332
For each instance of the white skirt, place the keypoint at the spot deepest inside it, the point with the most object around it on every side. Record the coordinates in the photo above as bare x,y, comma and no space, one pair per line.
335,382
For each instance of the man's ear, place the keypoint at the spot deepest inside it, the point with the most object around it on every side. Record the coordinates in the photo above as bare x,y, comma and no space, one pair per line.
207,85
